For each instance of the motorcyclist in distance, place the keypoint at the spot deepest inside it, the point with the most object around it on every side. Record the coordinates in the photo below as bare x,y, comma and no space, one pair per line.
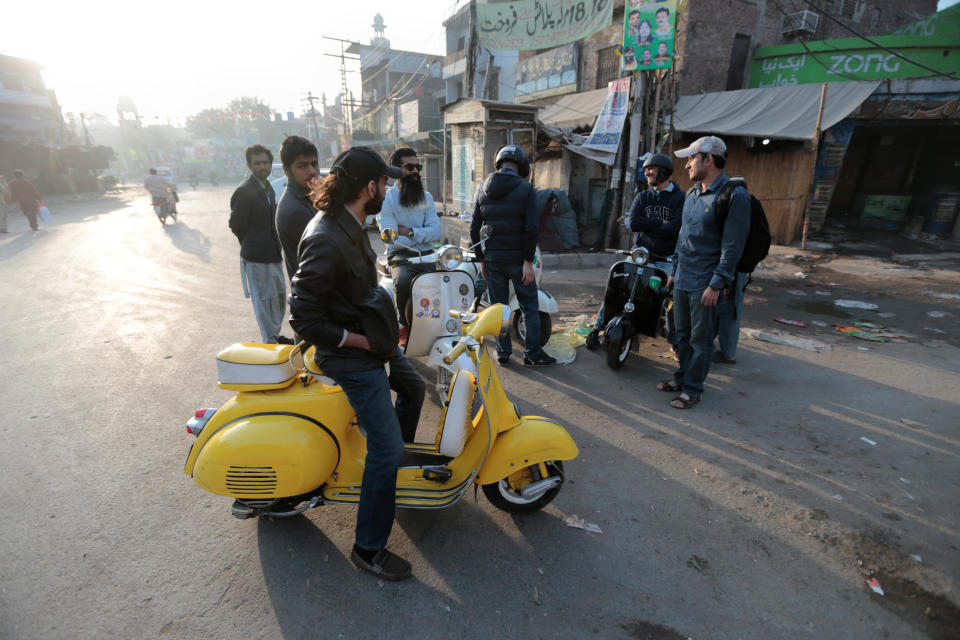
160,189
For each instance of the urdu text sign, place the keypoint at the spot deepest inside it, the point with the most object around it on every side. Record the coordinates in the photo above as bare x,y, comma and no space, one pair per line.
540,24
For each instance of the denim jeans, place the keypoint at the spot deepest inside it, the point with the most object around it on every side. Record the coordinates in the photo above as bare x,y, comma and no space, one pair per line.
727,327
410,388
499,277
403,276
694,325
369,395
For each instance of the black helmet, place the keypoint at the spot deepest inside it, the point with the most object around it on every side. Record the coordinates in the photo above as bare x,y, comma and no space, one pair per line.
659,160
514,154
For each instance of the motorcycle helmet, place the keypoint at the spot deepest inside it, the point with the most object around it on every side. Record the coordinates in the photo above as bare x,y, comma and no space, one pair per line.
660,160
516,155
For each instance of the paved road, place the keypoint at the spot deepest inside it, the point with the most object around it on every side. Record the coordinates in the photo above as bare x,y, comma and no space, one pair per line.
758,514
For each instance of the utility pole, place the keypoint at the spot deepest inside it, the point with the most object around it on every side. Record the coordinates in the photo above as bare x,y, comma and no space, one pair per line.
471,45
313,114
86,135
347,103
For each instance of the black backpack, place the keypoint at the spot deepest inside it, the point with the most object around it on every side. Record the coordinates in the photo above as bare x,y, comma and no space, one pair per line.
758,239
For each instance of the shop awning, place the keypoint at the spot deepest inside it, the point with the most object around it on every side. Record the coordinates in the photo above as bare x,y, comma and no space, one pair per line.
771,112
574,110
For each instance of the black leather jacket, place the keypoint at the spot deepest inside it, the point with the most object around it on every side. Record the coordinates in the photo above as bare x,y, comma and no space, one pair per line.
335,288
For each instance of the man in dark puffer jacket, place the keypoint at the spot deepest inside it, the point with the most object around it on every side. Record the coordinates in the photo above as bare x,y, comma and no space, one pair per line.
508,203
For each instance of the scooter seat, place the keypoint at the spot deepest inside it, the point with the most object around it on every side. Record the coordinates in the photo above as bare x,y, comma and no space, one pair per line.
311,367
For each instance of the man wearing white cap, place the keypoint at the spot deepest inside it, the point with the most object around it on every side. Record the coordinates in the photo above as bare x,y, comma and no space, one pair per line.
704,265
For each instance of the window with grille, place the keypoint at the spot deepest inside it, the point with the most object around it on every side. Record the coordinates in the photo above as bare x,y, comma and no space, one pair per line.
608,66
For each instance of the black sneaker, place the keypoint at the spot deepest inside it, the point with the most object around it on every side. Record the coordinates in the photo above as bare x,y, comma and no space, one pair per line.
285,340
593,340
382,564
503,360
539,360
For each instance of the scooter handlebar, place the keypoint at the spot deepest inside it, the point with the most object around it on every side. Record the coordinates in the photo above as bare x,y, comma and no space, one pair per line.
492,321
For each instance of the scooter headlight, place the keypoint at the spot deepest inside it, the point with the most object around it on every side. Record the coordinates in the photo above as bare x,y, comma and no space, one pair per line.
450,258
640,255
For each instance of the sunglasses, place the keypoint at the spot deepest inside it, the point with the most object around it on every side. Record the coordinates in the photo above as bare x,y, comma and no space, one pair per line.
410,167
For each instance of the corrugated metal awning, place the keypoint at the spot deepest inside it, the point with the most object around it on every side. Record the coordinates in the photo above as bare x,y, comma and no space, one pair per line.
574,110
771,112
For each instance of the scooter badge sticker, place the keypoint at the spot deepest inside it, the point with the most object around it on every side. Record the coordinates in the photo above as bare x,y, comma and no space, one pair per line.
464,301
435,313
446,278
420,314
425,303
463,289
436,302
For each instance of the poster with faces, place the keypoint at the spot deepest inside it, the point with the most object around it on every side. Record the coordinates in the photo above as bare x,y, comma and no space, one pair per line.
649,30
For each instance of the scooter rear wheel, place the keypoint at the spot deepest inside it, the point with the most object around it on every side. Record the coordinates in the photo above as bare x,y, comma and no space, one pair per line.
506,494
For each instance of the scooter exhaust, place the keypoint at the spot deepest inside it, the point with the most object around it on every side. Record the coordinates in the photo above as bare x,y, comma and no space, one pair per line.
536,489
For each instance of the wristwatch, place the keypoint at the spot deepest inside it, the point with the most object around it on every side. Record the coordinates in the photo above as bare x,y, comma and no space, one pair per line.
410,233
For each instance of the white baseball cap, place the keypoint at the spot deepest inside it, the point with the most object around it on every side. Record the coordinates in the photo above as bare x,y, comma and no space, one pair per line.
706,144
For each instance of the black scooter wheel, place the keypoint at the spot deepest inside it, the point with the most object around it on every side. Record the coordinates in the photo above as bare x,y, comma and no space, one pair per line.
617,353
546,327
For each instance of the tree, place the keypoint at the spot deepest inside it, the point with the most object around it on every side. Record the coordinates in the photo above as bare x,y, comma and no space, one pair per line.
241,116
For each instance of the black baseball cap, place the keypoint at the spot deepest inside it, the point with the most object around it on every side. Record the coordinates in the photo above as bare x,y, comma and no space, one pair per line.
362,164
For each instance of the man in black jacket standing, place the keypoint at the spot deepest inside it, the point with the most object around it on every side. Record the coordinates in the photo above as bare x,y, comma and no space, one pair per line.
299,158
508,203
252,211
337,305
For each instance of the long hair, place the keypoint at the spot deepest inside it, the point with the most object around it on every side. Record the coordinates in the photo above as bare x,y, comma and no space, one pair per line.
332,192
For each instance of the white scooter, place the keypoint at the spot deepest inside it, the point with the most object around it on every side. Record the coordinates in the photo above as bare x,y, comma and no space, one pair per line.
548,304
434,330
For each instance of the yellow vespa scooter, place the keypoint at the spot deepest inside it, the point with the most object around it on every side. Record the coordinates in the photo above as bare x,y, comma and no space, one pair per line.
289,440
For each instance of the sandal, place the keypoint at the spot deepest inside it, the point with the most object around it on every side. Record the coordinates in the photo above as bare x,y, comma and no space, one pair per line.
684,401
384,564
669,386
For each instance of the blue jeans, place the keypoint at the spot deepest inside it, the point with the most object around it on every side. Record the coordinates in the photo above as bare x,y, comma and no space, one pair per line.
499,277
727,327
694,325
369,395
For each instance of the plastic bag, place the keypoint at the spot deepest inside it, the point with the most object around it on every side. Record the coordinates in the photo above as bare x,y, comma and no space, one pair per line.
44,213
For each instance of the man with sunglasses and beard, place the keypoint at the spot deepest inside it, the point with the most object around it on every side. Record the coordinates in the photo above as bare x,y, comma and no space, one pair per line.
408,209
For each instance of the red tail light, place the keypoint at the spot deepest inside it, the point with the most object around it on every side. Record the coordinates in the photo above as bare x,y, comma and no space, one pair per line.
199,420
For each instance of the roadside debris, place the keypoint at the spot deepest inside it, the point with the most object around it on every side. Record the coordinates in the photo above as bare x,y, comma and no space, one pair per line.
854,304
801,274
938,314
874,585
938,294
934,330
911,423
818,323
904,480
823,293
752,300
793,323
887,314
837,496
797,292
854,332
778,337
916,558
577,522
868,441
864,348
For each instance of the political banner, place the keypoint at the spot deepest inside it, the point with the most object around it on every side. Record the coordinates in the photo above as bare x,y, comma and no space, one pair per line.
540,24
609,125
550,73
649,31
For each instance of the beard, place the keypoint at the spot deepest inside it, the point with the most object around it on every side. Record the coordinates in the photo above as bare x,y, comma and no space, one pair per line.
411,191
372,207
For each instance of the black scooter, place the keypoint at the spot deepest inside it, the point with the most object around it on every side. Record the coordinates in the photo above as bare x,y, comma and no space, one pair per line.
636,302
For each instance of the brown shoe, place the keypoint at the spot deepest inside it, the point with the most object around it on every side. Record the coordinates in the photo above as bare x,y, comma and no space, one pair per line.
384,564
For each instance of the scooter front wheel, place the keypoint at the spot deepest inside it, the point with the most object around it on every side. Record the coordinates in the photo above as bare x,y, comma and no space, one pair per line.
526,490
617,353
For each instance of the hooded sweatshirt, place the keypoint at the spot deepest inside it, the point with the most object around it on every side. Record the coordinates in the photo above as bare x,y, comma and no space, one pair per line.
507,203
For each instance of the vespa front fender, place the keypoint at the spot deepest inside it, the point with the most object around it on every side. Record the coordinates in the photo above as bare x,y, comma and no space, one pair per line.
533,440
618,330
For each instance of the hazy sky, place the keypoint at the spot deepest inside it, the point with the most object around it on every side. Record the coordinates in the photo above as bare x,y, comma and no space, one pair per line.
175,57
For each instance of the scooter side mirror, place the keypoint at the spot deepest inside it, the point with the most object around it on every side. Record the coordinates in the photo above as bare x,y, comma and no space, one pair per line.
485,232
388,235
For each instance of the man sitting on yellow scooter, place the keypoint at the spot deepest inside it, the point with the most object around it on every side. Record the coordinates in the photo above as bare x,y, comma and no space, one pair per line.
337,306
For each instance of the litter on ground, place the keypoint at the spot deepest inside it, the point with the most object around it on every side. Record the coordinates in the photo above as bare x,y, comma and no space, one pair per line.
938,314
823,293
874,585
854,332
793,323
778,337
819,323
854,304
864,348
577,522
800,274
797,292
752,300
887,314
916,558
904,480
562,345
934,330
938,294
911,423
868,441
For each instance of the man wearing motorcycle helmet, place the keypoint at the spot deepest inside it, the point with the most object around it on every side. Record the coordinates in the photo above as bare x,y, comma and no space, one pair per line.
508,204
337,305
654,217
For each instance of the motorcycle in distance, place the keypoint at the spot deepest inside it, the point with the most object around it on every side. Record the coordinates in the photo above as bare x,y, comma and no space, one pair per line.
289,439
432,331
636,302
548,304
164,208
